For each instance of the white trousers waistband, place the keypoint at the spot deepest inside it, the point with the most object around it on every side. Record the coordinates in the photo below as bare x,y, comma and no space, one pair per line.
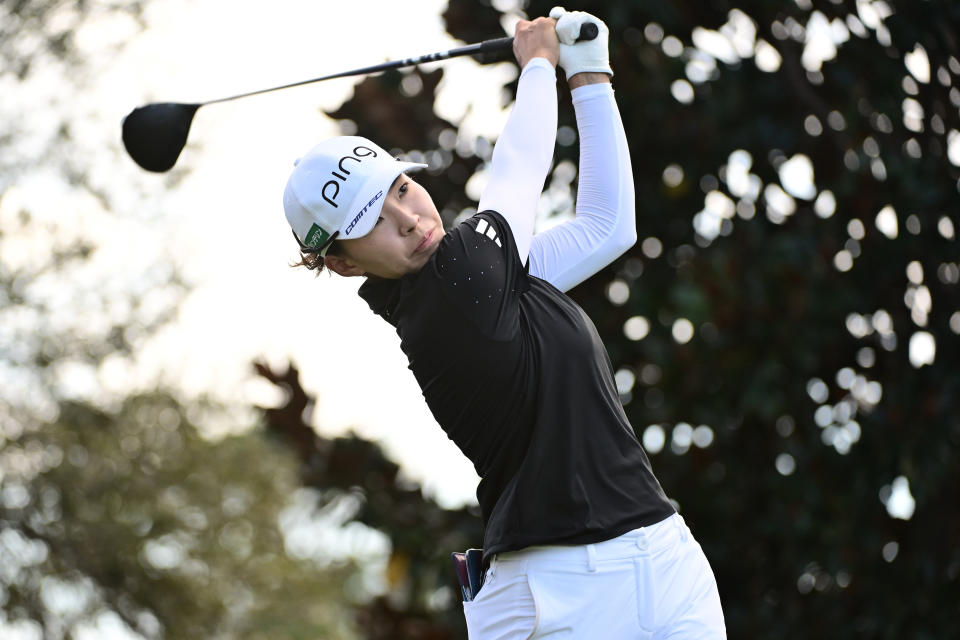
645,540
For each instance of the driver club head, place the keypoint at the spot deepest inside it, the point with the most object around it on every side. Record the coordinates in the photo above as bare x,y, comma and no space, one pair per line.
155,134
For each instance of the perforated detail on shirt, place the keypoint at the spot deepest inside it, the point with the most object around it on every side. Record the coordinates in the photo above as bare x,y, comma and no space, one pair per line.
483,283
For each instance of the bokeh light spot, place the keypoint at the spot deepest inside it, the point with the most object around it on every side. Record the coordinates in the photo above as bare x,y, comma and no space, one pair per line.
945,227
653,32
811,124
820,45
823,416
886,222
715,44
702,436
913,224
701,67
785,426
918,64
845,378
890,551
796,176
737,173
636,328
625,379
915,272
836,121
673,175
817,390
897,498
650,374
909,86
912,115
856,229
682,438
682,330
654,438
825,205
672,46
922,349
851,160
618,292
882,322
780,205
955,322
843,261
411,84
785,464
912,148
767,58
682,91
953,147
805,583
651,247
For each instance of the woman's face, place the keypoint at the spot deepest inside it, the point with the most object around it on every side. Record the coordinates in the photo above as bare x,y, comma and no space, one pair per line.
407,233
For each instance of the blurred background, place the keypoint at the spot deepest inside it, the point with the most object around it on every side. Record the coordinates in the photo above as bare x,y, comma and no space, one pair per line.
188,450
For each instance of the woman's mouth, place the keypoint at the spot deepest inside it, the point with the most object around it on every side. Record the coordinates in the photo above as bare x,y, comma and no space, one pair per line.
425,242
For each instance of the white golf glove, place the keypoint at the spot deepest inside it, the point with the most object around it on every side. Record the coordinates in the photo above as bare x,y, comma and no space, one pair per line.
578,57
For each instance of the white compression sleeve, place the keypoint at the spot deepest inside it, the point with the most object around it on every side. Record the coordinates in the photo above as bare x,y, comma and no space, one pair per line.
605,224
524,152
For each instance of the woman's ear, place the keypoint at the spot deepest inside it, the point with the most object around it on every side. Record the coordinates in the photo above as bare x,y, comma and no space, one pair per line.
343,266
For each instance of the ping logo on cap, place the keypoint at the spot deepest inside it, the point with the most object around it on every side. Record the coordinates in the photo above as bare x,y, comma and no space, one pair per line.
316,236
359,153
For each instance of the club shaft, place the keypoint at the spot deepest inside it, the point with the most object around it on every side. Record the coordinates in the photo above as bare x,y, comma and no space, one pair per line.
487,46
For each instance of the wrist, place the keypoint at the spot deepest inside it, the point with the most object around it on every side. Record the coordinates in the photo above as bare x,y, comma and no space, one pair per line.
587,77
546,54
539,61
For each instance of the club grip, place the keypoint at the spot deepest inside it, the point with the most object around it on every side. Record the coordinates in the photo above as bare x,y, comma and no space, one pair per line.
588,31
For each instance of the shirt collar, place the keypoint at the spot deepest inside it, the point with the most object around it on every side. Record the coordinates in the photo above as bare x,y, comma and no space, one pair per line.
384,296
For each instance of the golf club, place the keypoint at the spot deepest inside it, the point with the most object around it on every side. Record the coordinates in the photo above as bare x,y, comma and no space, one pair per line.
155,134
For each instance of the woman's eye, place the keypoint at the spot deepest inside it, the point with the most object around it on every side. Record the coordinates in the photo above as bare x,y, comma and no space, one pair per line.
379,220
403,188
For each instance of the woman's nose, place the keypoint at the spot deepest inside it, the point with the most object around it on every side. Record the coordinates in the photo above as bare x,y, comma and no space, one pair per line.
408,221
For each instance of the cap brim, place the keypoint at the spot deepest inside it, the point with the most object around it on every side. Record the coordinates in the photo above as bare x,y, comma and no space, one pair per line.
357,228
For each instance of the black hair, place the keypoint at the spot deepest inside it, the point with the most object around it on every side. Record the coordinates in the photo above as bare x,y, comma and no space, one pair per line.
313,261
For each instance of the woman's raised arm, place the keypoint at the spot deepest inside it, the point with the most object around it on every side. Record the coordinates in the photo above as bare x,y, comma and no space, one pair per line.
524,151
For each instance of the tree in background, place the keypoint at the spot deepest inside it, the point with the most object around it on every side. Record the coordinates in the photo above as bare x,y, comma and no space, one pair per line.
785,331
420,600
130,518
116,516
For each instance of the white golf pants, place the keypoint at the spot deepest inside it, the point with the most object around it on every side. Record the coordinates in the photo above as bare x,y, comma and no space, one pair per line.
652,583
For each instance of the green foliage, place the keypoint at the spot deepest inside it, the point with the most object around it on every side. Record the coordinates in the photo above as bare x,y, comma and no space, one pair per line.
176,534
422,598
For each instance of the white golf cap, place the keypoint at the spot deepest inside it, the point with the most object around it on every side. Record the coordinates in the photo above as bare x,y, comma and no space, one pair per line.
338,189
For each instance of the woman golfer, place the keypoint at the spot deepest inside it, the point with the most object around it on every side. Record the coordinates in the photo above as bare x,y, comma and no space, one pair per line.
580,539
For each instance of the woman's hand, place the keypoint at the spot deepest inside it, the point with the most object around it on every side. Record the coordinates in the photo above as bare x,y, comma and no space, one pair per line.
584,62
536,39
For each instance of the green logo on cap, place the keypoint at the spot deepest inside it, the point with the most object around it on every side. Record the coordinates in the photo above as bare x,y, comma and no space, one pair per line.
316,236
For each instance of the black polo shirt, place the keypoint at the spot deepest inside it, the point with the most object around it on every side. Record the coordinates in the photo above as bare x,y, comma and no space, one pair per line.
516,375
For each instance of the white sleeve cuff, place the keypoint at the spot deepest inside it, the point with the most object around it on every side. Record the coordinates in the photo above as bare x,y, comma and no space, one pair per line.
538,62
588,91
